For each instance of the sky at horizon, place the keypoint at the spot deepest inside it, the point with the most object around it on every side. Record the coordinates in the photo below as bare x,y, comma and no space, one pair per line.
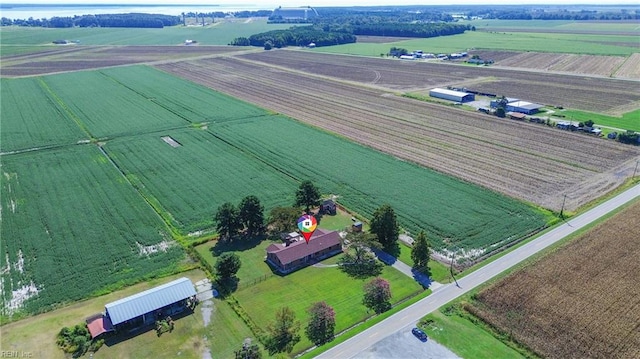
319,3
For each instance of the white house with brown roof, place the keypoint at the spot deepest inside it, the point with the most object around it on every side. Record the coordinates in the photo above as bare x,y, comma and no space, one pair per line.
296,253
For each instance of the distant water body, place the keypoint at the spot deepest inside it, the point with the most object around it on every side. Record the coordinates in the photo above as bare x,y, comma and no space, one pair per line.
39,11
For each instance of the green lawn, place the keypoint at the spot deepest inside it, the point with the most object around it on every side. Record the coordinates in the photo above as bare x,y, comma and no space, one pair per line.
300,289
515,41
628,121
226,332
338,222
251,255
465,338
439,271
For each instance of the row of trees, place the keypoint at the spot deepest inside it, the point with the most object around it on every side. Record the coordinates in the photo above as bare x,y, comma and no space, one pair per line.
409,29
295,36
102,20
247,217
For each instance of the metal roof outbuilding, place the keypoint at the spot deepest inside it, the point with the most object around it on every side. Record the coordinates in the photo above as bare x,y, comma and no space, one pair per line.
150,300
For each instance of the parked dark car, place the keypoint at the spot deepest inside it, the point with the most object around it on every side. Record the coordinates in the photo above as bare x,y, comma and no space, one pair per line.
419,334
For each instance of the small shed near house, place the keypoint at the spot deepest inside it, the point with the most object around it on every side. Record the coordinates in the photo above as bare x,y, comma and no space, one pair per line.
357,227
328,207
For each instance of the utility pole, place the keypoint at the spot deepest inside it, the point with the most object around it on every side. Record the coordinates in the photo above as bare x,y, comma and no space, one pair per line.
562,209
635,169
451,270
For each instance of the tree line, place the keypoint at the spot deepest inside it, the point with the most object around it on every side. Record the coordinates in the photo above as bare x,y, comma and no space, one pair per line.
295,36
103,20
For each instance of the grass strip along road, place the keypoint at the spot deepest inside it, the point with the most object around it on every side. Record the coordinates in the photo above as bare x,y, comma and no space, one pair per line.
409,316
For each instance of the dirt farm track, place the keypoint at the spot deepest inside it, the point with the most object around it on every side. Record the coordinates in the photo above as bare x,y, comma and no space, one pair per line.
353,97
359,98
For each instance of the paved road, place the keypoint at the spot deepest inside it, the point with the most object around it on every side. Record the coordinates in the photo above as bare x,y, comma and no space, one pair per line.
407,317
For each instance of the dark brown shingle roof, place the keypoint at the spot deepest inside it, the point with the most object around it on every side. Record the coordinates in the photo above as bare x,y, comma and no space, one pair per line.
320,240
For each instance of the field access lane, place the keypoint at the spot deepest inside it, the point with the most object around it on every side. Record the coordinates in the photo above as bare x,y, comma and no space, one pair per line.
407,317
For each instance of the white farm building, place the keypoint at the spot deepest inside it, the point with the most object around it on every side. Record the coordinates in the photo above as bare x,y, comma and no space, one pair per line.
451,95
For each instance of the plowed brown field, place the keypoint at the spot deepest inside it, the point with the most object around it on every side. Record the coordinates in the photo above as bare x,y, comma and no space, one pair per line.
596,94
74,58
631,67
527,161
580,64
583,301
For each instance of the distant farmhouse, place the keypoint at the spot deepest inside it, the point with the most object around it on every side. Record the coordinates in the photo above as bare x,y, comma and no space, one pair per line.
296,253
292,14
143,309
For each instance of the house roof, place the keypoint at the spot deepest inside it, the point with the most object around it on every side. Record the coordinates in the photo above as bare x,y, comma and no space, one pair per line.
320,240
149,300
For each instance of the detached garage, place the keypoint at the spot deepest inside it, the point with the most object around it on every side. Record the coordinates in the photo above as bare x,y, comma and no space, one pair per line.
452,95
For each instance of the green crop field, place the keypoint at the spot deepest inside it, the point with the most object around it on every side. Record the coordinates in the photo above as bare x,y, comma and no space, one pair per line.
364,179
31,118
219,33
511,41
192,180
565,25
74,215
71,227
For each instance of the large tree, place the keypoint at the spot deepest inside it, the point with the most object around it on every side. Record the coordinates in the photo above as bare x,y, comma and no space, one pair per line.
384,225
420,253
227,266
249,351
283,219
322,323
251,213
359,261
307,195
282,333
228,221
377,295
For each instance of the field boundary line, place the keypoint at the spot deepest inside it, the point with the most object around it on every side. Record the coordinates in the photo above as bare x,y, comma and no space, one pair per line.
66,108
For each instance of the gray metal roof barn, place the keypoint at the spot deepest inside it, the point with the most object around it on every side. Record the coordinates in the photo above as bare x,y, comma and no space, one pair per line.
451,95
149,300
523,107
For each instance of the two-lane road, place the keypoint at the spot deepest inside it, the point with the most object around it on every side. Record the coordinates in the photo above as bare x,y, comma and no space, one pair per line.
409,316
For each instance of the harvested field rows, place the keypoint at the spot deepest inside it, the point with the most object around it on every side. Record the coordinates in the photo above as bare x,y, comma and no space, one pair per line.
583,301
581,64
584,93
84,58
630,68
523,160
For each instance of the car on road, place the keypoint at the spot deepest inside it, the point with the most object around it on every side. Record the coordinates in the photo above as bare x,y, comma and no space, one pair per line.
419,334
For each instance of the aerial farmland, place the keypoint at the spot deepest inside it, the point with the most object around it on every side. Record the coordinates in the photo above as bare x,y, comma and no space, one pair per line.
117,150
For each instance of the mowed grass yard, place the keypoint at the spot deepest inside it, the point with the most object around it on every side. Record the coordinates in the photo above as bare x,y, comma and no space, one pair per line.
261,292
300,289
